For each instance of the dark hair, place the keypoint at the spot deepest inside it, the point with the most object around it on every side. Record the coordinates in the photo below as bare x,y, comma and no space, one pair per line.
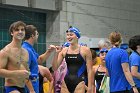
68,29
15,25
29,31
134,42
94,54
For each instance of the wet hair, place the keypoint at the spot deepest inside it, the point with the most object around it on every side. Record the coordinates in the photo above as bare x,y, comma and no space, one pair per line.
29,31
134,42
115,38
15,25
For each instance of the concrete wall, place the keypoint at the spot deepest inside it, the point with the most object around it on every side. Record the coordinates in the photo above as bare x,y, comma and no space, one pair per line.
40,4
45,4
97,18
53,31
16,2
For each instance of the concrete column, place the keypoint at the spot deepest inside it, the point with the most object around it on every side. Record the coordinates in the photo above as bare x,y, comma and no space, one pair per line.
52,32
31,3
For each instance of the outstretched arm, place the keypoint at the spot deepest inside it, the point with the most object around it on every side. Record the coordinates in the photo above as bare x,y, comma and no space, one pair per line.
58,57
42,58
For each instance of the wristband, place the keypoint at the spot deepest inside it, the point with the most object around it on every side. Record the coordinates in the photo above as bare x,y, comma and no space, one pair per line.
133,86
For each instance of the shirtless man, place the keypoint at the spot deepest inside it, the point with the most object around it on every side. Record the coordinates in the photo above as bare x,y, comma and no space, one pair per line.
13,60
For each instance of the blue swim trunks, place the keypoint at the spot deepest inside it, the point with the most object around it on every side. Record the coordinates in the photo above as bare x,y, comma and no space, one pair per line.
8,89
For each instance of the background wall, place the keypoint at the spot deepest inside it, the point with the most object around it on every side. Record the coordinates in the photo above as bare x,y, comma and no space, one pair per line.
97,18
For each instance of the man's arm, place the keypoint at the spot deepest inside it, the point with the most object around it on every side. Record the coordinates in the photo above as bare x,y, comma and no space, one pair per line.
29,86
128,76
3,63
134,72
44,71
42,58
28,81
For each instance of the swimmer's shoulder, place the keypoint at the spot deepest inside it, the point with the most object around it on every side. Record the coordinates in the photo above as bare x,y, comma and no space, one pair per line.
5,52
6,49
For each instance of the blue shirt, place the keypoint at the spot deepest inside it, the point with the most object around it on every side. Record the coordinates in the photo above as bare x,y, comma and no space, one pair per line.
134,60
114,58
33,63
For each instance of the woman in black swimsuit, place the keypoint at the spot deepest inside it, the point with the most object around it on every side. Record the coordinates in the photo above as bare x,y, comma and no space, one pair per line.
99,70
79,62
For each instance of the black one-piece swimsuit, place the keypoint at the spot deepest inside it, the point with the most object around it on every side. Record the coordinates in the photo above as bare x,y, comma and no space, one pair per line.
74,63
98,77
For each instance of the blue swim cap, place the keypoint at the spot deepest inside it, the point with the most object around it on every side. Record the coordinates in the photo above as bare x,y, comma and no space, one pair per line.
75,30
66,44
103,50
83,44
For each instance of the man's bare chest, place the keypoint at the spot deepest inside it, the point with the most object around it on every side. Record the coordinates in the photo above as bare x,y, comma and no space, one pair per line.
17,58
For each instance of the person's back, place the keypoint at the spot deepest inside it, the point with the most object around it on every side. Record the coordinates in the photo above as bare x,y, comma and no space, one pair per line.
118,67
114,58
33,65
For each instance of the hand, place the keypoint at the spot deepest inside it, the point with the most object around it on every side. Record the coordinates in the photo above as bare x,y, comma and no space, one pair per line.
58,49
51,48
86,88
23,74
